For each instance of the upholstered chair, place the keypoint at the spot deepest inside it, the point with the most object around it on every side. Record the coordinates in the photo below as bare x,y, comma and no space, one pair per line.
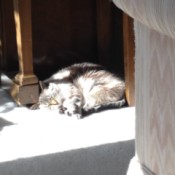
154,29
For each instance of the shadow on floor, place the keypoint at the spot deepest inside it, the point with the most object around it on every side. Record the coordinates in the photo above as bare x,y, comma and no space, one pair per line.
4,123
108,159
6,103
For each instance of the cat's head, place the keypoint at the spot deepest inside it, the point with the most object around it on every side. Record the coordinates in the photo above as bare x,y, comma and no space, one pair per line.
50,97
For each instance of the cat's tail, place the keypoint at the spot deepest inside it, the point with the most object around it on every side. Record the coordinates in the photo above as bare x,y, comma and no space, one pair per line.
106,106
117,104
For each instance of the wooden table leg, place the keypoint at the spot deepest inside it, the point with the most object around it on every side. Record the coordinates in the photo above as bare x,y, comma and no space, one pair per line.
129,53
25,88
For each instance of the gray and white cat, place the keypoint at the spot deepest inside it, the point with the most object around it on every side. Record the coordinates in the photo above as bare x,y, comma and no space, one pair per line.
82,88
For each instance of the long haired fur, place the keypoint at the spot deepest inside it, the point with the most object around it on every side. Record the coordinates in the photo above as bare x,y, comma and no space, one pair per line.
82,88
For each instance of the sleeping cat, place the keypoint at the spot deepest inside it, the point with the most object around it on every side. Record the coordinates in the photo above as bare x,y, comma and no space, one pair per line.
80,88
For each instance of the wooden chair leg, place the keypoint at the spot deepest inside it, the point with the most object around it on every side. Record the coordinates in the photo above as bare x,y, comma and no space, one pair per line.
25,87
129,52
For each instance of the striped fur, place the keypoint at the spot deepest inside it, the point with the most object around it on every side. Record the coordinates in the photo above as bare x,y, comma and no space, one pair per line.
82,87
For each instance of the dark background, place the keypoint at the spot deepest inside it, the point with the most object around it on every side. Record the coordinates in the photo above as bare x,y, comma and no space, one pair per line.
66,32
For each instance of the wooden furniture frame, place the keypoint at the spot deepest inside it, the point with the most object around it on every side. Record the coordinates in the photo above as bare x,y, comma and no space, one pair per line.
129,52
25,87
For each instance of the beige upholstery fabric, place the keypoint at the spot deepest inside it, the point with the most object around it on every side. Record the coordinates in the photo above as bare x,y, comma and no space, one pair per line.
156,14
155,100
155,84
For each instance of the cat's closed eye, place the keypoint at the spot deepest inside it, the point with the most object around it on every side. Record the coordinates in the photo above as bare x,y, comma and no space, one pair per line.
52,101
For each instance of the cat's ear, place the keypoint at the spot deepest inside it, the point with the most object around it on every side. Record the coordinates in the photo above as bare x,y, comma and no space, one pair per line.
42,85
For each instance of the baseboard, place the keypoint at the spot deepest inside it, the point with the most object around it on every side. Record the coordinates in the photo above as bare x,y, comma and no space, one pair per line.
135,168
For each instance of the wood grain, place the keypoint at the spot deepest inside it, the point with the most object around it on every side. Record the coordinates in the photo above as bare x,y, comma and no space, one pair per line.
25,77
129,63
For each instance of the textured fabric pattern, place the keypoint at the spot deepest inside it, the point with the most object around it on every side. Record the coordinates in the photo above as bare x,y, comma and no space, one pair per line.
155,82
156,14
155,100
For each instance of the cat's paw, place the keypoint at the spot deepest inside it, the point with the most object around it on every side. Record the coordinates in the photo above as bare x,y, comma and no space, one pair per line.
73,114
78,116
62,110
72,107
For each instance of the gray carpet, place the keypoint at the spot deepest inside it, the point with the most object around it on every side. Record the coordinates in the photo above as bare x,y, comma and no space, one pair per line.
46,143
